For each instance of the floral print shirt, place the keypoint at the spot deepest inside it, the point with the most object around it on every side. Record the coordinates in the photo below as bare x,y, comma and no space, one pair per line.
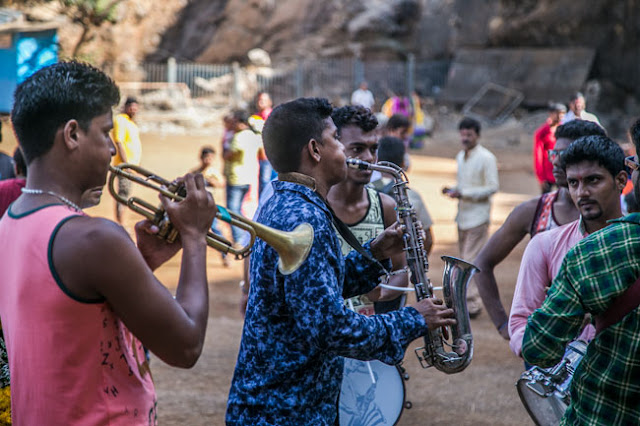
297,329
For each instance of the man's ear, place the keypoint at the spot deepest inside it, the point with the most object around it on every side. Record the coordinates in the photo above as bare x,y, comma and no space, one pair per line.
70,133
621,180
313,148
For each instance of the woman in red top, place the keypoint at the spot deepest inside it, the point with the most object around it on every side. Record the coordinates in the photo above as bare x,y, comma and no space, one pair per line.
544,140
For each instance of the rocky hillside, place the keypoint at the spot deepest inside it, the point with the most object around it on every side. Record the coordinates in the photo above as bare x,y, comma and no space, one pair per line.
224,30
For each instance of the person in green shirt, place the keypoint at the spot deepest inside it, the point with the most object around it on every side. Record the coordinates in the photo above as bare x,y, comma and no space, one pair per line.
605,389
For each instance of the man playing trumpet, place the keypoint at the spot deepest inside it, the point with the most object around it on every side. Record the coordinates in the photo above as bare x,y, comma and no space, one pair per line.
78,299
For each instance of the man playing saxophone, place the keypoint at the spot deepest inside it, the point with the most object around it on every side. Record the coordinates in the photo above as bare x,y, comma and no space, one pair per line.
365,211
297,328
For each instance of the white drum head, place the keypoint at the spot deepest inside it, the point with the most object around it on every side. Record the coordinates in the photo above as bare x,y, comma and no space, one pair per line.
372,393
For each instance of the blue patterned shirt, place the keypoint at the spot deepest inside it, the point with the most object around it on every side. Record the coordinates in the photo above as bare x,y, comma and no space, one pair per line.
297,329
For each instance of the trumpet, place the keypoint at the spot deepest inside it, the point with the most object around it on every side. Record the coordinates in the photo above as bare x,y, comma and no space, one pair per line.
292,246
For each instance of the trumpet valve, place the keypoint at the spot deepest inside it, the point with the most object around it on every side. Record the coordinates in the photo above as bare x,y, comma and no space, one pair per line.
166,230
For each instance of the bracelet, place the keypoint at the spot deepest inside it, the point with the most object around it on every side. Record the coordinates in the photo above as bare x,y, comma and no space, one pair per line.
504,324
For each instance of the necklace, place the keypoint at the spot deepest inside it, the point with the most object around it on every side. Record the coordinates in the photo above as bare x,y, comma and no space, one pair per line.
58,196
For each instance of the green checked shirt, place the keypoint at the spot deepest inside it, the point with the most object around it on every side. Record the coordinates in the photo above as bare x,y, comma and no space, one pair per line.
606,385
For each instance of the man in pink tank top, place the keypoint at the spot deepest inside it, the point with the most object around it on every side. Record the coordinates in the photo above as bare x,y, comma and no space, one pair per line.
78,299
530,217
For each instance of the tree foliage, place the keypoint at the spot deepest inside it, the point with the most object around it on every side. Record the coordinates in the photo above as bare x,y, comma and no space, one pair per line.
90,15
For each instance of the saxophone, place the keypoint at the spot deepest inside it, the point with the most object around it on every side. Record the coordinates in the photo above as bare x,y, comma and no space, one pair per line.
456,276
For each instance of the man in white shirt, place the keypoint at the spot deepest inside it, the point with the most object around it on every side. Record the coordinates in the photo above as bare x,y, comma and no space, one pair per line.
363,96
477,181
577,110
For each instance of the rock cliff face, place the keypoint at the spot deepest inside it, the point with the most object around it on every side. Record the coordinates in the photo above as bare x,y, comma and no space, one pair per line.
292,28
225,30
608,27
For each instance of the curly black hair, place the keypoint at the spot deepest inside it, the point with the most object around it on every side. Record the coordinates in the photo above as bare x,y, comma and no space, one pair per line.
598,148
355,115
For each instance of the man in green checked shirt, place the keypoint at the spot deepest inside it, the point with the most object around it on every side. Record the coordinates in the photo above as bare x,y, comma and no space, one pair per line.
606,385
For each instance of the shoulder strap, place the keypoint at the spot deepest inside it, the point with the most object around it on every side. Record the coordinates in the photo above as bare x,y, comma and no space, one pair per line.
620,307
542,216
351,239
340,226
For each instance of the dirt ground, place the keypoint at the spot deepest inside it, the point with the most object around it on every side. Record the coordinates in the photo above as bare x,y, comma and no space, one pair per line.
483,394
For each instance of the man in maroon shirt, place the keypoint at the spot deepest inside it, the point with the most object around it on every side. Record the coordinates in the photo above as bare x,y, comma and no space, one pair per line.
10,189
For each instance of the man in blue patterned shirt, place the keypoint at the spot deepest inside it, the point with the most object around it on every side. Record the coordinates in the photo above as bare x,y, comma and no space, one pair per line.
297,329
605,389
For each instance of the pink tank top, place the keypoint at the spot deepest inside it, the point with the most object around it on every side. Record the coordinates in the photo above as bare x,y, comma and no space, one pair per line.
72,362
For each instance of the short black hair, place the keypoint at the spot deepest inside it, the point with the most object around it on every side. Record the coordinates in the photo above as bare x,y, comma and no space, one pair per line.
205,150
354,115
290,127
575,129
576,95
470,123
241,115
18,162
598,148
632,202
130,100
391,149
54,95
398,121
634,132
556,106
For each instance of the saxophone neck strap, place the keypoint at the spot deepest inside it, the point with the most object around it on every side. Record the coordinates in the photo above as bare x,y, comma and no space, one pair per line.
351,239
340,226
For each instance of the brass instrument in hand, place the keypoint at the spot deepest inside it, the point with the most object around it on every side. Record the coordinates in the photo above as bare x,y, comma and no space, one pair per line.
292,246
456,276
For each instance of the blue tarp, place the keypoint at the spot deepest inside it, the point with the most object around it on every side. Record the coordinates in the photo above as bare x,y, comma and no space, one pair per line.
29,51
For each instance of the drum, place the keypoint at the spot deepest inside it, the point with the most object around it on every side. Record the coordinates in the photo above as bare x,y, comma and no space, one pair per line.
545,391
372,393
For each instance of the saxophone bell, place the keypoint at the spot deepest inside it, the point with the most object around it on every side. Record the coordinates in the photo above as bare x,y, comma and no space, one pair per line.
456,277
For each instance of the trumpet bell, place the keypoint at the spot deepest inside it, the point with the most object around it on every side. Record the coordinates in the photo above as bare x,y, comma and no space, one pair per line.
293,247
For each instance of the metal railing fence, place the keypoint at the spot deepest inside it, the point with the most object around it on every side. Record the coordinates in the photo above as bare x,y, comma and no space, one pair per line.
335,79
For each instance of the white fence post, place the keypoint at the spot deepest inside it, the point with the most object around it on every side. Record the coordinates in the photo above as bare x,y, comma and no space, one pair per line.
236,95
172,70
